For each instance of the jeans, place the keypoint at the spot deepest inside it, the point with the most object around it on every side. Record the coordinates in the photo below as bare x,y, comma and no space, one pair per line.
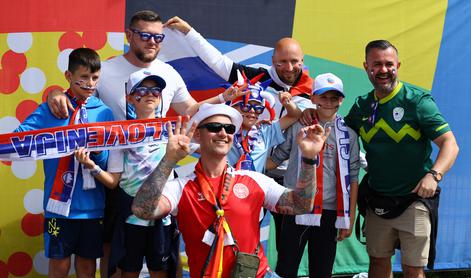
271,274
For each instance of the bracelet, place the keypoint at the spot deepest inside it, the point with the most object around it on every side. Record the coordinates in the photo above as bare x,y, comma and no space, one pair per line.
437,176
95,171
221,98
309,161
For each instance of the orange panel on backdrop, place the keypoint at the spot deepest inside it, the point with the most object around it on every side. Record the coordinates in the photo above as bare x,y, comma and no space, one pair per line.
59,15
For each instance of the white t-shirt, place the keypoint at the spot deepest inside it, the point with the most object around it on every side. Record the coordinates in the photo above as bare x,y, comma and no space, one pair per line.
115,73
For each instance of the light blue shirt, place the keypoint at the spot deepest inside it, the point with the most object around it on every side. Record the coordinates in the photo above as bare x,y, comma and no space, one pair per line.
262,140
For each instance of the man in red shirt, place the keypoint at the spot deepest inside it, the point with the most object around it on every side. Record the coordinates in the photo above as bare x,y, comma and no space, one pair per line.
218,207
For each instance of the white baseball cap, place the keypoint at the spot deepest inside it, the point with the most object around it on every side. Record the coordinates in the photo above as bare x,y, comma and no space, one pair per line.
327,82
207,110
136,78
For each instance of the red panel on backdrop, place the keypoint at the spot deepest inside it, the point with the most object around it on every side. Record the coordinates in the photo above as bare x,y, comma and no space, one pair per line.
60,15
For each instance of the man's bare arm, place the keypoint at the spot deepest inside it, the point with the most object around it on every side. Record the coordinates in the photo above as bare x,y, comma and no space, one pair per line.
59,104
301,199
311,140
148,203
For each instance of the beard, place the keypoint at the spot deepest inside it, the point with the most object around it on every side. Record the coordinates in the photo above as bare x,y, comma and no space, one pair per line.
146,58
289,79
384,88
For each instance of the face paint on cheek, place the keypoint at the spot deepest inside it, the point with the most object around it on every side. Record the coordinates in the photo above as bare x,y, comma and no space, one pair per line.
137,98
83,86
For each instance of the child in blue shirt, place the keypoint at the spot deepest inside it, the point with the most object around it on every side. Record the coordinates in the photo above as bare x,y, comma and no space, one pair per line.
74,207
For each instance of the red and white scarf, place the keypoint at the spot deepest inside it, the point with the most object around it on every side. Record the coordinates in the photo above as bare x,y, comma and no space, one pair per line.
62,141
213,267
60,197
342,184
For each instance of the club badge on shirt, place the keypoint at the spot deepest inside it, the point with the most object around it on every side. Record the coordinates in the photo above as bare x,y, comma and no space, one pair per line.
240,190
398,113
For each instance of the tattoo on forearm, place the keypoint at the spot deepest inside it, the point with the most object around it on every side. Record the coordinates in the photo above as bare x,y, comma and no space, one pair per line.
145,204
301,199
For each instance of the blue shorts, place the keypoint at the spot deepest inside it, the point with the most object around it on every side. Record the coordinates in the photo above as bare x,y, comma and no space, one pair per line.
158,244
64,237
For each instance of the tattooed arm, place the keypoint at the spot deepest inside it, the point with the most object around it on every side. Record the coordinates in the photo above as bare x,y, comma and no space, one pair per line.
310,140
149,203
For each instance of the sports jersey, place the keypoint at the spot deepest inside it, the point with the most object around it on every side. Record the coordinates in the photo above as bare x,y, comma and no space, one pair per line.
261,140
251,192
396,132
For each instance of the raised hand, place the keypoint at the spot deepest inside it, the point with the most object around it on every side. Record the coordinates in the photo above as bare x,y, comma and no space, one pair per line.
235,92
311,139
179,139
178,24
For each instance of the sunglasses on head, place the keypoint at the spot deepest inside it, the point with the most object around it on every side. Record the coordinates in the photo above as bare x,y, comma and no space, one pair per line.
143,91
145,36
256,107
217,127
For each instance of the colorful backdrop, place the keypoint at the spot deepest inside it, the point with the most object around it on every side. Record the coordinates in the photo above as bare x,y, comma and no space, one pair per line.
431,35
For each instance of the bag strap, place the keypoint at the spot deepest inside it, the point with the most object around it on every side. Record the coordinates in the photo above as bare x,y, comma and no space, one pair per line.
358,230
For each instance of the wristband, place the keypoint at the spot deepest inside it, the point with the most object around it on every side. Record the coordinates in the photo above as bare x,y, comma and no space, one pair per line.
221,98
309,161
95,171
437,176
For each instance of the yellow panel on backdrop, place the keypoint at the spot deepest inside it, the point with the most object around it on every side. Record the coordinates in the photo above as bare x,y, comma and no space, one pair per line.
339,30
42,65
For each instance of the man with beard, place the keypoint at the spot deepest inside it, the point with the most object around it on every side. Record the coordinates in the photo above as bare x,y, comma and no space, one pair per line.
144,34
286,72
396,123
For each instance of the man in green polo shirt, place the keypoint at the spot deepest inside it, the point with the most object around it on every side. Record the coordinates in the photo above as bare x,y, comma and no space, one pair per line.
397,123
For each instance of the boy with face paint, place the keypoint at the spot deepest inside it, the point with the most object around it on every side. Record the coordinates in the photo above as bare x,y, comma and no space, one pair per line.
337,186
253,142
73,218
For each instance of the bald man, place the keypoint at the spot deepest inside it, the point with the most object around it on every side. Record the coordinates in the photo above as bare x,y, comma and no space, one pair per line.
286,72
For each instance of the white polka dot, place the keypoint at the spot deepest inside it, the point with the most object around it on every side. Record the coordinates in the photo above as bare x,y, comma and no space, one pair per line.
24,169
33,80
63,59
8,124
116,40
20,42
41,263
33,201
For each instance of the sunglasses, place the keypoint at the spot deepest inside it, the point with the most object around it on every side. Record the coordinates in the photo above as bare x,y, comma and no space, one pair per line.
246,107
158,38
217,127
144,91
